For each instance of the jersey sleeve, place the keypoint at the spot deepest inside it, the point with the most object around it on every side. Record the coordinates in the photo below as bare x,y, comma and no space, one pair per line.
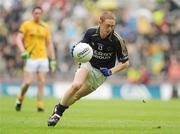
23,27
86,38
48,34
122,53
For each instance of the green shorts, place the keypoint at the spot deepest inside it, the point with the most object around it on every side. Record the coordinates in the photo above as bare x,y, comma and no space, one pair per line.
95,77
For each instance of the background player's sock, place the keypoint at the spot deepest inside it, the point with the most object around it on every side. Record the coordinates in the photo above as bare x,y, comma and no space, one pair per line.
40,106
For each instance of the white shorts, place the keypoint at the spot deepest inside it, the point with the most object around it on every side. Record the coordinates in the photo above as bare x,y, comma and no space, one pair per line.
95,77
37,65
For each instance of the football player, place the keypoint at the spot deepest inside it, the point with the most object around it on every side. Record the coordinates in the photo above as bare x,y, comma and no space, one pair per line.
107,46
33,40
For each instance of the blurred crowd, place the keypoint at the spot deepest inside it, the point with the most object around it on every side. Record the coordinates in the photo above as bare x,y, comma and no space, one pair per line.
150,28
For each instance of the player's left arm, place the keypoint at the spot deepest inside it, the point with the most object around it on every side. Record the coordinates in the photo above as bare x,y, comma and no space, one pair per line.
53,62
119,67
122,55
51,51
49,44
50,48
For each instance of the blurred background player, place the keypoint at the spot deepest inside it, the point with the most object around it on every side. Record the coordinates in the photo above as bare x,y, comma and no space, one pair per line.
33,40
107,47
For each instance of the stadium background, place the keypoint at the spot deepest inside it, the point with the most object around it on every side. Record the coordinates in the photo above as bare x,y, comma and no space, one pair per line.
151,31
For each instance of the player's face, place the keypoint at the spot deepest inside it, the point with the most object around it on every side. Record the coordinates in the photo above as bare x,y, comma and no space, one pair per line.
37,14
106,27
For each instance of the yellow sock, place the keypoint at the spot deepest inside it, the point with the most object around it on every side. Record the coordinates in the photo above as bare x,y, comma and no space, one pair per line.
40,104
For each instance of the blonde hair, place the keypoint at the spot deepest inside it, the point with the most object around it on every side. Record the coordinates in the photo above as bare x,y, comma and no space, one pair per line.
107,15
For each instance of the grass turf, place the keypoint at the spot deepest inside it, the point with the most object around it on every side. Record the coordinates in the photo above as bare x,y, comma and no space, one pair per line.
93,117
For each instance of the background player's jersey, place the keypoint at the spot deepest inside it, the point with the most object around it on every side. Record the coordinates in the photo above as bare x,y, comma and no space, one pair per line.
105,51
35,37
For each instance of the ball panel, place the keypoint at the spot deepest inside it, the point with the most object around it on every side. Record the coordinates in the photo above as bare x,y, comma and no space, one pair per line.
82,52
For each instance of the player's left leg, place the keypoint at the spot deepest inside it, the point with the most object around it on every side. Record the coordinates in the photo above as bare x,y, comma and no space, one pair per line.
40,91
80,78
43,68
83,91
87,79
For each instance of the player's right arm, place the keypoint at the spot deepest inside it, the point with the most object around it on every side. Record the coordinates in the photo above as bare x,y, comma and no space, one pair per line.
85,39
88,34
19,41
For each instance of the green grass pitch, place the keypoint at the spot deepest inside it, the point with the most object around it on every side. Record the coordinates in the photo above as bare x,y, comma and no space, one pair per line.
114,116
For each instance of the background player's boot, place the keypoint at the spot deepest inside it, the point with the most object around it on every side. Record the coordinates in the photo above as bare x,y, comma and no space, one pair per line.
54,118
40,106
40,109
18,105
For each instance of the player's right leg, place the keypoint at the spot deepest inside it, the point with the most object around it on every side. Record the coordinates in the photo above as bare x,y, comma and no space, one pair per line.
69,97
25,85
29,69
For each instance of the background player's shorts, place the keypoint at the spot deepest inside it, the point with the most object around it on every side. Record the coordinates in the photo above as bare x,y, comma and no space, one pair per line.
95,77
37,65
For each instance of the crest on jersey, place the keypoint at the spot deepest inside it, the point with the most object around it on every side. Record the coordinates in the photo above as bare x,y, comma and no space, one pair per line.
100,46
92,43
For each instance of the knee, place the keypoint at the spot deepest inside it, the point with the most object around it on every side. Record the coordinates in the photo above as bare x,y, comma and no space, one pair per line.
76,86
41,81
27,83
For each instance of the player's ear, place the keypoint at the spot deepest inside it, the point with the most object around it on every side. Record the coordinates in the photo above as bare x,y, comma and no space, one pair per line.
101,20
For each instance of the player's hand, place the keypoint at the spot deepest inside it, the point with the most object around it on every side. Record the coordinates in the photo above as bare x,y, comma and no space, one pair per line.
25,55
53,64
72,49
106,71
